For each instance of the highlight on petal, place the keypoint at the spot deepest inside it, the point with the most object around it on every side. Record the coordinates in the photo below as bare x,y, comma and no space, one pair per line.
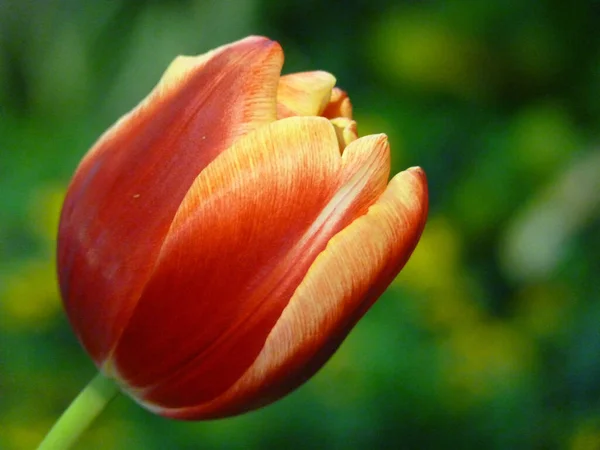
304,94
338,106
365,257
139,172
258,216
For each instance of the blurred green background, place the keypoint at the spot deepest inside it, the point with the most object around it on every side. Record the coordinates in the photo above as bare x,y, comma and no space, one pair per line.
488,339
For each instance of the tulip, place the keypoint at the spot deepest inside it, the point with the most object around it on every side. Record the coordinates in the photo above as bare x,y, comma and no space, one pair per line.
218,243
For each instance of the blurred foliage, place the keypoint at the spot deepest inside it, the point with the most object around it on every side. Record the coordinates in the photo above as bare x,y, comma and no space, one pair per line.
488,339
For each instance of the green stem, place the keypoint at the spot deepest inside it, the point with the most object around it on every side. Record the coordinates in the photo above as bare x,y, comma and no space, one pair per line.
80,414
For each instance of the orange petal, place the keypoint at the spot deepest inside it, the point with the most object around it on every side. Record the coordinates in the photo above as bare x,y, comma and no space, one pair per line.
304,94
242,241
338,106
340,286
128,188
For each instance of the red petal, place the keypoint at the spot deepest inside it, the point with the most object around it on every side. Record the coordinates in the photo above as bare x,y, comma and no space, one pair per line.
241,243
128,188
341,285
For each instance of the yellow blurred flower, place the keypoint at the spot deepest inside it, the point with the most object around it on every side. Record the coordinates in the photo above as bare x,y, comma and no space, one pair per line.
543,309
30,298
479,353
586,436
44,211
434,271
485,358
440,248
414,48
22,435
29,292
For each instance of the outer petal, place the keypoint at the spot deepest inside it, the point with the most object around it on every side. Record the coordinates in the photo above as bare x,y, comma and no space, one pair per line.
126,191
304,94
364,257
241,243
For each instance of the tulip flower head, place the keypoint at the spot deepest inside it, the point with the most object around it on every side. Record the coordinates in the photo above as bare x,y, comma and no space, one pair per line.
218,243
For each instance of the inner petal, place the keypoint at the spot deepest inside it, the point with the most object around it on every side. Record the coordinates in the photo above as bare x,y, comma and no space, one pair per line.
304,93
